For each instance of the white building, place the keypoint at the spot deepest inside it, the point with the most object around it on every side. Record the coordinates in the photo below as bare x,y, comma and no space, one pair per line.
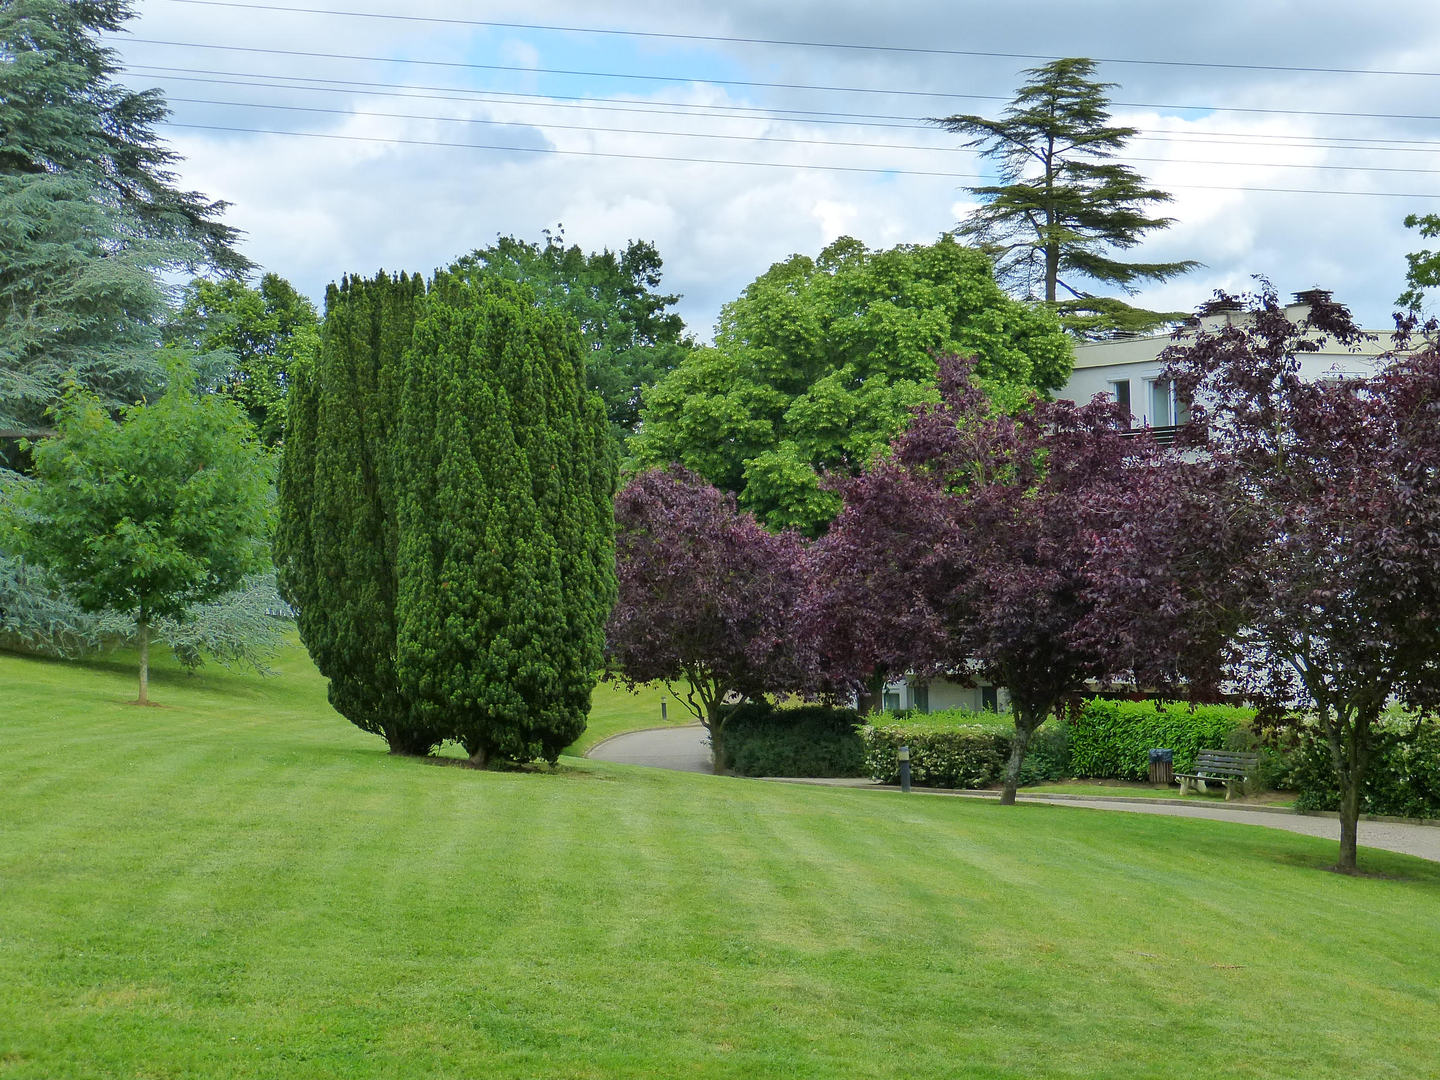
1128,370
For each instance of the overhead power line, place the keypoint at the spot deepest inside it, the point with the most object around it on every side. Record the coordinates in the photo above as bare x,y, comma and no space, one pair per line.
844,144
752,164
472,66
315,84
794,43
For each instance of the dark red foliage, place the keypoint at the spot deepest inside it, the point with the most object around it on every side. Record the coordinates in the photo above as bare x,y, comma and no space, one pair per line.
1339,480
707,596
1042,552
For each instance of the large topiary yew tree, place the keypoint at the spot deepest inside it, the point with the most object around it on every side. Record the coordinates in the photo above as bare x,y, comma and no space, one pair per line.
505,571
336,541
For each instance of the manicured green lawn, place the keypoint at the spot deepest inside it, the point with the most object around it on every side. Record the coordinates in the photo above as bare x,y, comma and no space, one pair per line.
239,884
1146,791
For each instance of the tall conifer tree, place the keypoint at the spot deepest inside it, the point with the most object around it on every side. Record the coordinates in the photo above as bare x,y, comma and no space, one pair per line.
1063,206
506,558
337,537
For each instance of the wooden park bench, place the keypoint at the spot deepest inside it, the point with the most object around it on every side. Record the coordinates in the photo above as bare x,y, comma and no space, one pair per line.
1233,767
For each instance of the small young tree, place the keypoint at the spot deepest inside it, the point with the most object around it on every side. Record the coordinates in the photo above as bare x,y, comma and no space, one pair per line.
149,516
708,597
505,567
1341,480
1063,205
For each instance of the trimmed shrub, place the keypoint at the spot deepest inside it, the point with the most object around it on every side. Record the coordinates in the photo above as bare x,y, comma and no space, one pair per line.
961,749
1403,778
810,740
942,753
1112,739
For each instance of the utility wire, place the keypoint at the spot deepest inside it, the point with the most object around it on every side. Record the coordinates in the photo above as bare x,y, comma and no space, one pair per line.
754,164
734,40
471,66
795,116
545,125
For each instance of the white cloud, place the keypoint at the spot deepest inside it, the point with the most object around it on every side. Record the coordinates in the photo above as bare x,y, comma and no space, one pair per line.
316,208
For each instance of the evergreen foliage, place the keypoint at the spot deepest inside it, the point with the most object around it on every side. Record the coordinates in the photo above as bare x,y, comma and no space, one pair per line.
63,113
506,558
631,339
150,516
337,535
1063,205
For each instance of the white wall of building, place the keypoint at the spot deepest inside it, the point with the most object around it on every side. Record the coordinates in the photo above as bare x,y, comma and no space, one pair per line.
1103,365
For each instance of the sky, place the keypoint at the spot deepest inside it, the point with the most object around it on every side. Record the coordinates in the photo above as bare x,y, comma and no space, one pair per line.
1294,137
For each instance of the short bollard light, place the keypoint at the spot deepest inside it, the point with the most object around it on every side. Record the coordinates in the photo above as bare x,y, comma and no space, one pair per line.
903,754
664,719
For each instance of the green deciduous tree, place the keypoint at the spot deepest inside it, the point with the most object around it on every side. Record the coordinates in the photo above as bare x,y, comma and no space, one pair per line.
1422,267
631,337
336,537
263,335
1063,205
148,516
506,559
817,364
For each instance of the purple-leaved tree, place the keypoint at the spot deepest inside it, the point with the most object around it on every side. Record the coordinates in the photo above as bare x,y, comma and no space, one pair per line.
707,597
1339,482
1004,548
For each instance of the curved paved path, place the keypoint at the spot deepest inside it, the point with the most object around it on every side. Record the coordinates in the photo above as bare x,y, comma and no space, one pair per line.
684,748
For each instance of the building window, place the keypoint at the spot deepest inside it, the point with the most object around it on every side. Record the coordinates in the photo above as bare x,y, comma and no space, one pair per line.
890,701
989,700
1120,394
920,695
1166,410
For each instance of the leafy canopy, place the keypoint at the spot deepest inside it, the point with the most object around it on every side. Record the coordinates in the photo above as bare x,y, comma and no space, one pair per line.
1023,550
1063,205
1339,481
631,338
1422,267
261,336
707,596
149,516
817,364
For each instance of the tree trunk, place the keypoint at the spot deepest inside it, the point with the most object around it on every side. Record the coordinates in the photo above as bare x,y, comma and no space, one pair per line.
1349,824
1024,729
480,758
716,726
142,626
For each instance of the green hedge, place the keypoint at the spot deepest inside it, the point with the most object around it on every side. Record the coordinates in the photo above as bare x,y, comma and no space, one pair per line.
811,740
959,749
1403,779
1112,739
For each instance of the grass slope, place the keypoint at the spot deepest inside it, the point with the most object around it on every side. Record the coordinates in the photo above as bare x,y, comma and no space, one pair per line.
240,884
